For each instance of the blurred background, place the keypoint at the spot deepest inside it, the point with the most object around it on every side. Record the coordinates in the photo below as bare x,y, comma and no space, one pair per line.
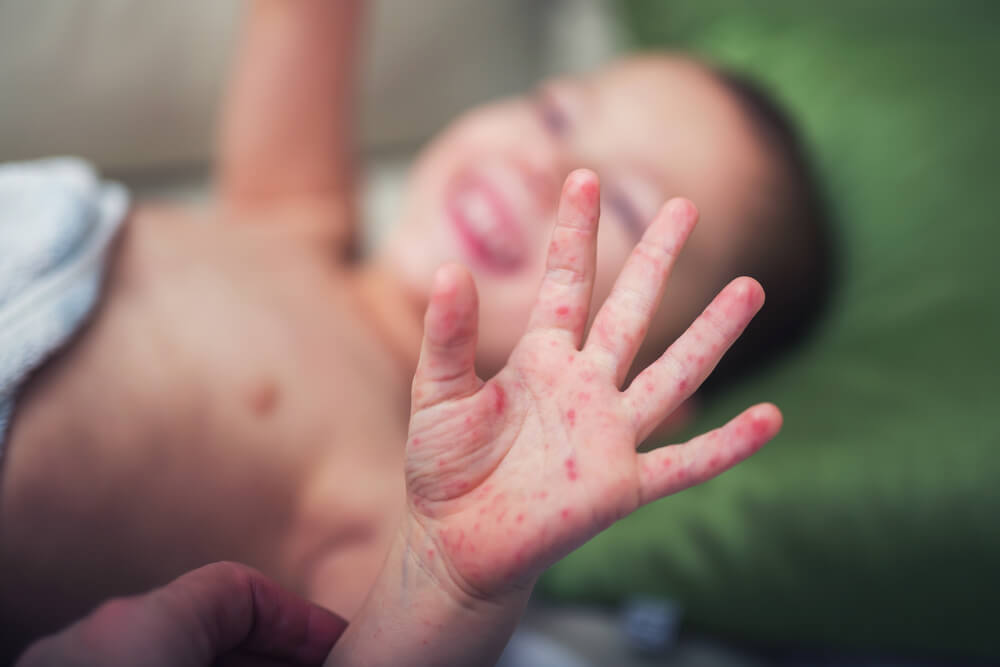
869,532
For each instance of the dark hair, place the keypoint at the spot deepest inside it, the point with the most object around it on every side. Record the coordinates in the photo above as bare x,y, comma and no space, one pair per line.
796,262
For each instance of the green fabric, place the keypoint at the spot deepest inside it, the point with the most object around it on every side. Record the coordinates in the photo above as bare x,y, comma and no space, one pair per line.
873,521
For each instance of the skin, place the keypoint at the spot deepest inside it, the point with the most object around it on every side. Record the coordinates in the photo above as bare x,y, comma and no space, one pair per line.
243,391
224,613
503,477
501,480
653,127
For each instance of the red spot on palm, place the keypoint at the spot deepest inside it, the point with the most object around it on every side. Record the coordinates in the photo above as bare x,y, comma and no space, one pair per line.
562,311
565,513
520,518
571,417
571,472
499,398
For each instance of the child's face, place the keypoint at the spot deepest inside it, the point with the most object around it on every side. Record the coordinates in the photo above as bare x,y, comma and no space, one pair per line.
484,192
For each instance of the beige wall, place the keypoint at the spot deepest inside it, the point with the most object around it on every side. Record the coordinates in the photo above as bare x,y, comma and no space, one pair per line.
130,83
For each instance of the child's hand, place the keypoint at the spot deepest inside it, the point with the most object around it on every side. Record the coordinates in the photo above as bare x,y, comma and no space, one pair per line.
507,476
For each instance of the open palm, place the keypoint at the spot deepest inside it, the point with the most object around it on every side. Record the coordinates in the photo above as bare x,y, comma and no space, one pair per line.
505,477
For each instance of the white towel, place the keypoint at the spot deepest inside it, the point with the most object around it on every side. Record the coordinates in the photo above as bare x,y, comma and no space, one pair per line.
57,221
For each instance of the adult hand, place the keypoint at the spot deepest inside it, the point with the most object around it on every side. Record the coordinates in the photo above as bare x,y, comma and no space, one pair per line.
224,613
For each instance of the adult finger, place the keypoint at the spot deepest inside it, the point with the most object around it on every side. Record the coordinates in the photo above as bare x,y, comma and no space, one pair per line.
228,606
216,611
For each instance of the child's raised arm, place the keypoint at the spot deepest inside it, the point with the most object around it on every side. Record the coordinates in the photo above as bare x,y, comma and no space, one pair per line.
505,477
287,129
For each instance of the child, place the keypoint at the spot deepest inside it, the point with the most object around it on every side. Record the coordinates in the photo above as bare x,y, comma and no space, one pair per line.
505,477
242,391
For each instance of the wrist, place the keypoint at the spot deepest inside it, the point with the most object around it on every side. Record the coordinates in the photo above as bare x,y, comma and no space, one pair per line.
430,553
418,613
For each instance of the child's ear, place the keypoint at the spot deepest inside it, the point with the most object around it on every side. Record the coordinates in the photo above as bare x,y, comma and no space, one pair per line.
676,422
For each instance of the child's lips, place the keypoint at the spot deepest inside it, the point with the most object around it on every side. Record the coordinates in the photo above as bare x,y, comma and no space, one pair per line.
484,223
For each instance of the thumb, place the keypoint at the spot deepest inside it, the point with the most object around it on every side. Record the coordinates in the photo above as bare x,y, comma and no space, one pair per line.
446,370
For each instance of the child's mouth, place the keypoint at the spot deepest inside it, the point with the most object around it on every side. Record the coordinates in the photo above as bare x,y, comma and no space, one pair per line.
485,225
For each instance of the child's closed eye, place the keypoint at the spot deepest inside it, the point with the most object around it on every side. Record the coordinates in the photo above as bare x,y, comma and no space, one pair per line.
552,113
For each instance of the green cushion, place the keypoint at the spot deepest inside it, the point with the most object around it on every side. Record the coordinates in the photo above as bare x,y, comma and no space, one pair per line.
873,521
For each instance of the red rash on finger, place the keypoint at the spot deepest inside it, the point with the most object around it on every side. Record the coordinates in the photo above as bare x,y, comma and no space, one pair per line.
589,192
571,417
415,442
520,518
682,384
571,471
583,396
499,398
565,513
430,554
562,311
650,387
501,515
